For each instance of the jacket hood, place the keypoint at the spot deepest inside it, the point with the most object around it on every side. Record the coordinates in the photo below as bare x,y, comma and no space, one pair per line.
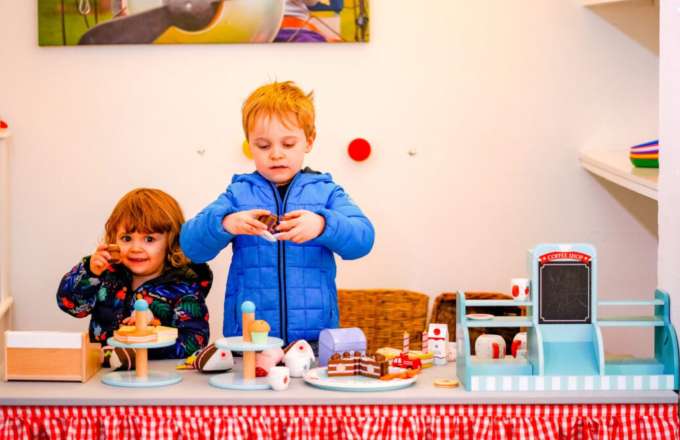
198,273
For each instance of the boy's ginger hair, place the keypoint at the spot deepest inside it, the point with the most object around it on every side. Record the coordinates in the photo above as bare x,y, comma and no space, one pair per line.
147,210
285,100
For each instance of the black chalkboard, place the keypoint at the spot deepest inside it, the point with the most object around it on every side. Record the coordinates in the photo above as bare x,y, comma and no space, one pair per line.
564,292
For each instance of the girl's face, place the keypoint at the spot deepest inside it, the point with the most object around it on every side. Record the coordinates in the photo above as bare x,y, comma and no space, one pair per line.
143,253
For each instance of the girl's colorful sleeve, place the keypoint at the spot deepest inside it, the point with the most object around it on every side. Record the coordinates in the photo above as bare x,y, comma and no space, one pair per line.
77,293
348,232
203,237
191,320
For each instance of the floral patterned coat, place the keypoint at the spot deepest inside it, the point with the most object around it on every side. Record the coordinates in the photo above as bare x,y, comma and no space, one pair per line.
176,298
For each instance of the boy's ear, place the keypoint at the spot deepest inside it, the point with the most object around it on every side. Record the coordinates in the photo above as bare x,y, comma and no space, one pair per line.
310,143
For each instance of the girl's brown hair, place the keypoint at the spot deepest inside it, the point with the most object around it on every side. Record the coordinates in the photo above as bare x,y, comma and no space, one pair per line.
147,210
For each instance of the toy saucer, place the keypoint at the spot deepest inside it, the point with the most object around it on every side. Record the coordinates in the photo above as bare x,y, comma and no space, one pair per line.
479,316
318,377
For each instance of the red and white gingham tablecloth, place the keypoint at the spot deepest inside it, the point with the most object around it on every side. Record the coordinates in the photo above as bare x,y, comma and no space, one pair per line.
487,422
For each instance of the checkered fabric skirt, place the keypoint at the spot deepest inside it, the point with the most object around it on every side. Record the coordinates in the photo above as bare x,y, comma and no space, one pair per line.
488,422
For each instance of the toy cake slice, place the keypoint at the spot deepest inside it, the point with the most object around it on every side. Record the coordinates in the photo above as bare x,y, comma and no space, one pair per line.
135,335
163,333
140,332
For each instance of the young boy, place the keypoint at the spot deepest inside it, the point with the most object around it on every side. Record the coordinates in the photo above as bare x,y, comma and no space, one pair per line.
291,280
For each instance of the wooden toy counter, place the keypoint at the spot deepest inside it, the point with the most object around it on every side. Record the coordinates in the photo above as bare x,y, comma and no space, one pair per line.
193,409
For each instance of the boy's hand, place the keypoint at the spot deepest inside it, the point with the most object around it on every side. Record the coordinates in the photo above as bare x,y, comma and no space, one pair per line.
99,260
301,226
245,222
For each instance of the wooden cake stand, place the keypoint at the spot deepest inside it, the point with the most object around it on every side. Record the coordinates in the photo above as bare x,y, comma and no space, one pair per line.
141,377
247,380
244,380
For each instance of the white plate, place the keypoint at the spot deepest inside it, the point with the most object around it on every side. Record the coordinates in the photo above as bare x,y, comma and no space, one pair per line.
479,316
317,377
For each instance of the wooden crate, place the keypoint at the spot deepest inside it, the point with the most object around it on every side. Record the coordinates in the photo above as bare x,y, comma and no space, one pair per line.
58,356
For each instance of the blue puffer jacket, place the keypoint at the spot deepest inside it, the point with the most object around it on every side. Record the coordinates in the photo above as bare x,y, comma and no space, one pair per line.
292,285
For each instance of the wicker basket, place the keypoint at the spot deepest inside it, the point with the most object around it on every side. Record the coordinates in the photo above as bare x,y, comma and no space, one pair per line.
444,311
384,315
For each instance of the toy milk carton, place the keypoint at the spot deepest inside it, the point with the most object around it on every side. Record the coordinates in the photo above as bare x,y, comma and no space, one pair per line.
339,340
437,342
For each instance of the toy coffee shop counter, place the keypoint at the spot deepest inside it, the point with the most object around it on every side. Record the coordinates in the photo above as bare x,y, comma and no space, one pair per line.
554,382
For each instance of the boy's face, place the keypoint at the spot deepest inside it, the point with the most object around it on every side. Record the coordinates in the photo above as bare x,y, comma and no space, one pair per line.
278,149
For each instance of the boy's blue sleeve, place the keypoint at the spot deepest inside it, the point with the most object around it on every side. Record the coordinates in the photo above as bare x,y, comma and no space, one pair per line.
348,232
203,237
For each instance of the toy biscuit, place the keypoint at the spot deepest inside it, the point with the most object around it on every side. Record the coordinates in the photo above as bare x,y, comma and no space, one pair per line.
270,221
114,250
446,383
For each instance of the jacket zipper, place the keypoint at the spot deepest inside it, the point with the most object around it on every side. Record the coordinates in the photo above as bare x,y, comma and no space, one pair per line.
283,311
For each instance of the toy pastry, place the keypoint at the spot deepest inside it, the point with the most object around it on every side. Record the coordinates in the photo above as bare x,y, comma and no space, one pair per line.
114,250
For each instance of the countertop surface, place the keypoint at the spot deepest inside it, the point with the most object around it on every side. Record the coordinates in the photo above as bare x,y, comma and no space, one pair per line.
194,389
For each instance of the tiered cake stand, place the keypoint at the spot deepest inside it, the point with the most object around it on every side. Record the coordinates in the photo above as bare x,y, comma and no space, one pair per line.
243,380
141,377
246,380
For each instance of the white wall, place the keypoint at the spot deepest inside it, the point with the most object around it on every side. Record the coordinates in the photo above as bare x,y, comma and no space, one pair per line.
497,97
669,178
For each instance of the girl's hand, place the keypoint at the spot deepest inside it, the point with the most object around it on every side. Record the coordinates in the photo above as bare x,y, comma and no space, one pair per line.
245,222
301,226
99,260
130,320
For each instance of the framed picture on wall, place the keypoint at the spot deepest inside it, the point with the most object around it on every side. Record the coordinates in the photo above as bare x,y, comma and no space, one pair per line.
87,22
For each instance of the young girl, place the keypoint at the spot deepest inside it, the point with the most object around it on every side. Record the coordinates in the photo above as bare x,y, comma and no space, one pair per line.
145,226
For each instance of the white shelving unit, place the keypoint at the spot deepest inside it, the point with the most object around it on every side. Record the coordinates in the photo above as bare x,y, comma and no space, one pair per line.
615,166
6,299
601,2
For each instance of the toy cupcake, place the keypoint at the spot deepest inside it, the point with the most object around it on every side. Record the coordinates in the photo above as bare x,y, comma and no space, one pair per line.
259,330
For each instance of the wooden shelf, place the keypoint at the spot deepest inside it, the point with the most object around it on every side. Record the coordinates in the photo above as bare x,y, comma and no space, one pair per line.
652,302
614,165
632,321
501,321
601,2
637,19
496,303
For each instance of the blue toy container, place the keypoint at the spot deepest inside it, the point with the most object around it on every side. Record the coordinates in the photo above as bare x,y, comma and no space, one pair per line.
339,340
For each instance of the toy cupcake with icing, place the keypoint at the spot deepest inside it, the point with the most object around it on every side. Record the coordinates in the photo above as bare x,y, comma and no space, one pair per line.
259,330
